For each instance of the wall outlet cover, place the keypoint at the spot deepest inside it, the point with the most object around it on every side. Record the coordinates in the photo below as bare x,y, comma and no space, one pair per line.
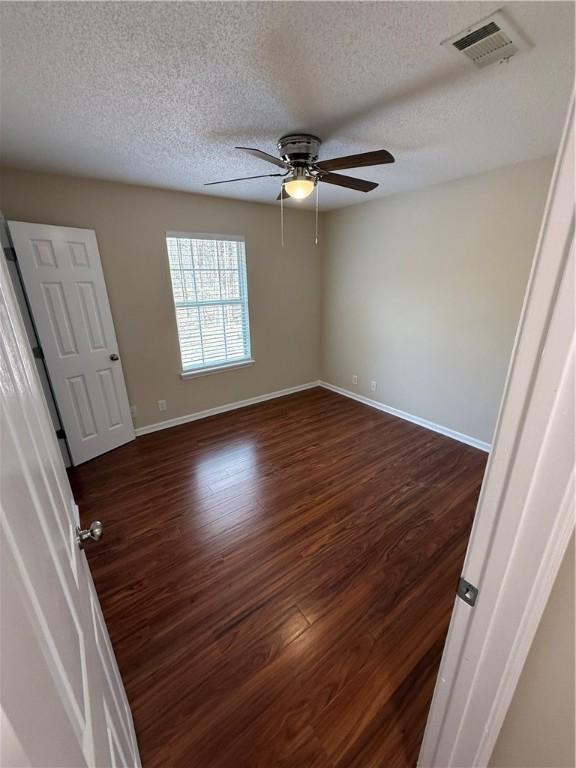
162,405
372,386
354,379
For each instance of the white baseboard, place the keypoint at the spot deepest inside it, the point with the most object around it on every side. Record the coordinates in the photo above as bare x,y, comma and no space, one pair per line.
300,388
222,409
410,417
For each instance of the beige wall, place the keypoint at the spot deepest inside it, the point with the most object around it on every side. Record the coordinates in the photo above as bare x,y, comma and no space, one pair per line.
422,293
418,292
538,731
130,223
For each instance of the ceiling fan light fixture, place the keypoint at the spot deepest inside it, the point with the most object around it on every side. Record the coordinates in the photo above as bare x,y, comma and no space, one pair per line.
299,186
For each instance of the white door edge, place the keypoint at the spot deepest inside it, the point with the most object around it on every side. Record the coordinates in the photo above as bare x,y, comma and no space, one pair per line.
538,599
487,646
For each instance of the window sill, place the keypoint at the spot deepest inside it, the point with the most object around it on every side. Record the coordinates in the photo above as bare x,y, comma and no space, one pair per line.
215,369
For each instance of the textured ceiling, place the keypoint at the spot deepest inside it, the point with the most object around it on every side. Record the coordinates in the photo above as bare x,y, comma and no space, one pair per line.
159,93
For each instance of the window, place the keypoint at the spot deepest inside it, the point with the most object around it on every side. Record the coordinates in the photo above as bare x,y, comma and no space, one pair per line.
210,295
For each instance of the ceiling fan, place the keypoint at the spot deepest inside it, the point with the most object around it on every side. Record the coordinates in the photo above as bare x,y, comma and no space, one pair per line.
302,171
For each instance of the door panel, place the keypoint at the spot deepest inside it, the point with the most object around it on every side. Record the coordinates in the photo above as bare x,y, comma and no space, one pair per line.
56,694
44,255
61,324
63,277
82,406
91,314
27,687
110,398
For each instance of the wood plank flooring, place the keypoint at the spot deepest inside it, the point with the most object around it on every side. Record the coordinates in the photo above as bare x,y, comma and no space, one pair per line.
277,581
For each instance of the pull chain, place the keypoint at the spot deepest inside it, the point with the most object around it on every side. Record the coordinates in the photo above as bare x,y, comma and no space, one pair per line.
316,233
282,215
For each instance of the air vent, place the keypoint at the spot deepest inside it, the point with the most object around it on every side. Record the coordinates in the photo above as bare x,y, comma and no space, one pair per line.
490,40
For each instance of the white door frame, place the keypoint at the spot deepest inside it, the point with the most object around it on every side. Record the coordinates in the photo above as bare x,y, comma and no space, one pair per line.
525,514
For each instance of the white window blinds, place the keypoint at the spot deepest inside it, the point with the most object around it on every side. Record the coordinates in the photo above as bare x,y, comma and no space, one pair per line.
211,299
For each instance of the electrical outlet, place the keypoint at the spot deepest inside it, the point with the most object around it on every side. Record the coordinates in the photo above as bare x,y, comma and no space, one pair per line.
133,411
354,379
372,386
161,405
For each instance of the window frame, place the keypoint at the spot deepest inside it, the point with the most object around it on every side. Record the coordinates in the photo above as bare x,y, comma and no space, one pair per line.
208,368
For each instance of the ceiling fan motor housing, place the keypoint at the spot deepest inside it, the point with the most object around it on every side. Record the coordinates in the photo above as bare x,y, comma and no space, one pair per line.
300,150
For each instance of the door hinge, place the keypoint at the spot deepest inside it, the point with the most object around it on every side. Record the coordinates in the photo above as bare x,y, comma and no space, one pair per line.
38,353
60,434
10,253
468,592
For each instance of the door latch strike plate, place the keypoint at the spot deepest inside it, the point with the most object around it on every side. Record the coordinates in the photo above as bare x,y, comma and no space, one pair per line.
468,592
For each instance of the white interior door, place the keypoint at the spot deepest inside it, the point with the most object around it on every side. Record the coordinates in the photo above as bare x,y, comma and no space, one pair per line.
62,274
62,700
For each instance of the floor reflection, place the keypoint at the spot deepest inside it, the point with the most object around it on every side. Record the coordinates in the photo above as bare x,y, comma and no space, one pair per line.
228,494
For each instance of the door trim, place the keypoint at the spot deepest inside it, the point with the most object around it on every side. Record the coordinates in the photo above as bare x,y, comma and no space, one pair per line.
487,645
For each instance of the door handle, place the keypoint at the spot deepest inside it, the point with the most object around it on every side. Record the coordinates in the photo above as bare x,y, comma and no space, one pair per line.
114,356
94,533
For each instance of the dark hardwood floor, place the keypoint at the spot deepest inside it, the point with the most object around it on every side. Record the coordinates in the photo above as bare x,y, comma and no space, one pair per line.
278,581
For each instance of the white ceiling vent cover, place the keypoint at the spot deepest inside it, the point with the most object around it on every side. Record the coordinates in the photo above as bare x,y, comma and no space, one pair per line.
488,41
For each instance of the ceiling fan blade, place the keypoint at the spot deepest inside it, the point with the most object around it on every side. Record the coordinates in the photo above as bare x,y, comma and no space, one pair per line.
263,156
379,157
283,195
348,181
244,178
